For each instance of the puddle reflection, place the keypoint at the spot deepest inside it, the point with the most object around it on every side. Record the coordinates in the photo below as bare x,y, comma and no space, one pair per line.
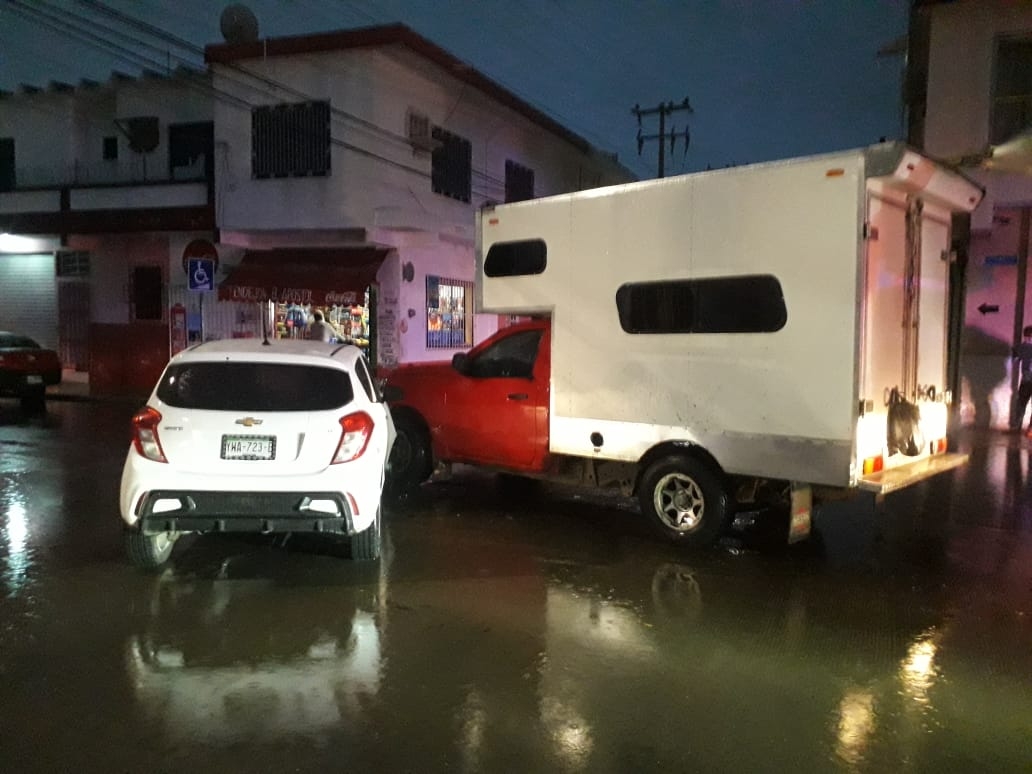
856,725
918,671
229,660
704,643
15,536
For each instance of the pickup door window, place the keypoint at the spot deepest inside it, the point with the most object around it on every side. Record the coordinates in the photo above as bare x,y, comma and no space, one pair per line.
496,405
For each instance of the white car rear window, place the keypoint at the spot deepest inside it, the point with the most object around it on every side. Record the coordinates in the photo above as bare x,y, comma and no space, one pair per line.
237,386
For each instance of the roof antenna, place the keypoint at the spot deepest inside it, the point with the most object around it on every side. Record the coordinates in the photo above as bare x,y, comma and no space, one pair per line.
265,327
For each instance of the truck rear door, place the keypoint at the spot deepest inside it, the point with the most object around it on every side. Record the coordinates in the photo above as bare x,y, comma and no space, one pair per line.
904,324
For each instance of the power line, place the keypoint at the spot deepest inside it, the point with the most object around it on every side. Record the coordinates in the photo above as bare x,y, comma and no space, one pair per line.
69,29
266,81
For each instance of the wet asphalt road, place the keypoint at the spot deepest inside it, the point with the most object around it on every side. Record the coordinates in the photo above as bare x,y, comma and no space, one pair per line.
549,633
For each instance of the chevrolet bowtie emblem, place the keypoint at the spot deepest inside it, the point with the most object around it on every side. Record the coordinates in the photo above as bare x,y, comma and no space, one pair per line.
249,421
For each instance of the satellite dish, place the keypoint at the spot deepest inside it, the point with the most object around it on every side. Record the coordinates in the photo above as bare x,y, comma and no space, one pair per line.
238,24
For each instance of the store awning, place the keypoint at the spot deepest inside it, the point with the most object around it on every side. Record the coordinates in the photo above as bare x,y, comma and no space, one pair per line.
321,276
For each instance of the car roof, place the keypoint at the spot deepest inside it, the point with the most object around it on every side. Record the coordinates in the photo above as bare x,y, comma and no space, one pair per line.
13,335
296,351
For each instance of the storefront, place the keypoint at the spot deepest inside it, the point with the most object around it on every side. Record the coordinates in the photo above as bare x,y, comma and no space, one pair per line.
339,282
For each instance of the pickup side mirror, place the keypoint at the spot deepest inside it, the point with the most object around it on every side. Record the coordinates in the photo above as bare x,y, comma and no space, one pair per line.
459,362
391,393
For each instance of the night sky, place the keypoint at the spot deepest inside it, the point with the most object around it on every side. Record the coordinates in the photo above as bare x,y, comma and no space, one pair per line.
767,79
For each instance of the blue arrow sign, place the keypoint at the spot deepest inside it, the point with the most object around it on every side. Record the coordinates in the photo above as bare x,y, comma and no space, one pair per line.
1001,260
200,273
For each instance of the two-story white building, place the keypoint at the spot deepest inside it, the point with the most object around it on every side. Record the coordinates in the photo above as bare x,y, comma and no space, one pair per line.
969,100
369,151
337,171
99,184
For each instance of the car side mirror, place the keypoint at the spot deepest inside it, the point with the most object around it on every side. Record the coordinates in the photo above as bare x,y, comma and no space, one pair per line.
459,362
391,393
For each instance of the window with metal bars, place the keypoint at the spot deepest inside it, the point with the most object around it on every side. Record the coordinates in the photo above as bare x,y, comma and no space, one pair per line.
451,171
449,313
519,182
73,263
290,140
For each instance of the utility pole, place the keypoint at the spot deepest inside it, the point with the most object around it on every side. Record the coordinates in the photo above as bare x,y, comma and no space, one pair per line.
663,109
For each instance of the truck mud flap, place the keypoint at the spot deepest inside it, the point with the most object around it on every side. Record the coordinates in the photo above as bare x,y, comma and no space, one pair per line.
890,480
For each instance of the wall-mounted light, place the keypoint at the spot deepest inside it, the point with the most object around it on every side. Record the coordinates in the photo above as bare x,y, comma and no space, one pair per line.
13,243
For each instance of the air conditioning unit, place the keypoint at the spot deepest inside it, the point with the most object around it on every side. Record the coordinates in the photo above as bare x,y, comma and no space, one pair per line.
419,132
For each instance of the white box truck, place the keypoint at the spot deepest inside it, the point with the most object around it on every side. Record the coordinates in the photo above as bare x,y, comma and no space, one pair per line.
708,341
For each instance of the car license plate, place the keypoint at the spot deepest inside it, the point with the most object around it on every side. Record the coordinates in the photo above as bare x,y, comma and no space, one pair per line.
248,447
34,379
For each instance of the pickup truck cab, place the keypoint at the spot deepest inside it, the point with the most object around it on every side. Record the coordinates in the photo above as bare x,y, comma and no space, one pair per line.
487,407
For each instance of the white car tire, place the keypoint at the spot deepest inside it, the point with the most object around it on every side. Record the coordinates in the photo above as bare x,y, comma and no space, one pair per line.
149,551
365,546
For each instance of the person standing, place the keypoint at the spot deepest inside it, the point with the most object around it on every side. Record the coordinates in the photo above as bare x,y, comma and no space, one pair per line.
1022,353
321,329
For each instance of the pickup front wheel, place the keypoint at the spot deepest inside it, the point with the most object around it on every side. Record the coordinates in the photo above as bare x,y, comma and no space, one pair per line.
410,462
685,499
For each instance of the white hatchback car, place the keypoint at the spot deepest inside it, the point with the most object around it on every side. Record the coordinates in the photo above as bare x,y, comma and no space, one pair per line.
246,436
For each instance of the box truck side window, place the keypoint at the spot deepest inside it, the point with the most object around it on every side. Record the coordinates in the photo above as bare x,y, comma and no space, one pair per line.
747,304
516,259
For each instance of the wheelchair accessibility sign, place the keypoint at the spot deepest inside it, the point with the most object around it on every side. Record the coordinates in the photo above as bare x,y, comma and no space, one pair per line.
200,273
200,262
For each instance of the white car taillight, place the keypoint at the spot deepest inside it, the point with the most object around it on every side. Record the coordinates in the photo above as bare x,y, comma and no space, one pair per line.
145,434
356,430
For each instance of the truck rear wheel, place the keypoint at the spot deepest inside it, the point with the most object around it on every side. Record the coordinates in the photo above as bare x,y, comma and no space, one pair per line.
685,499
410,463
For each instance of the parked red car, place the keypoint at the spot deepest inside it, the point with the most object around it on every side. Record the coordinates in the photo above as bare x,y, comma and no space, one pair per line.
26,369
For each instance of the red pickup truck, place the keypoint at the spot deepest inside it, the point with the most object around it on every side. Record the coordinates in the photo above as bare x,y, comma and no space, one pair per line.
487,407
490,408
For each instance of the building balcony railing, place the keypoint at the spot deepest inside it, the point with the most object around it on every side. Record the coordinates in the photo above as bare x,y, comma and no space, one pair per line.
114,203
138,171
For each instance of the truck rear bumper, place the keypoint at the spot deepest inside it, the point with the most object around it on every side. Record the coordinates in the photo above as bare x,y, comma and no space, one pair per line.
890,480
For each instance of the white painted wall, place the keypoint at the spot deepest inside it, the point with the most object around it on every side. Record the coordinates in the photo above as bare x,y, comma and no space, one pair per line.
960,71
962,49
378,183
128,197
173,101
44,152
59,136
387,184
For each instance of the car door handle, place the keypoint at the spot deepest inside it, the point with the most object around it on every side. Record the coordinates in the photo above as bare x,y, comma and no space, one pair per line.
518,396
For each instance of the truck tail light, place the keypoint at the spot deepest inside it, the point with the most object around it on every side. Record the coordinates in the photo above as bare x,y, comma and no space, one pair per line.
873,464
145,434
355,431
